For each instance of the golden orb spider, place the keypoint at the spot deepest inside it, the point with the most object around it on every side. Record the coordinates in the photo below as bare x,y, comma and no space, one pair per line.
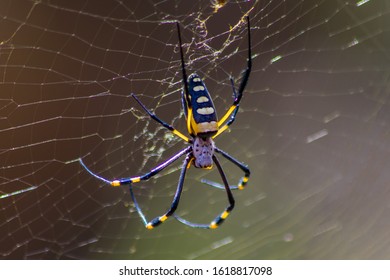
203,126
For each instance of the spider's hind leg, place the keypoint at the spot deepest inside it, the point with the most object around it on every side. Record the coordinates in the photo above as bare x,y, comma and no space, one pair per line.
241,183
160,219
217,185
222,217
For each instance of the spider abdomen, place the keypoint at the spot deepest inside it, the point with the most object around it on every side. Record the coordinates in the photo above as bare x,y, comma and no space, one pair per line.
204,117
203,151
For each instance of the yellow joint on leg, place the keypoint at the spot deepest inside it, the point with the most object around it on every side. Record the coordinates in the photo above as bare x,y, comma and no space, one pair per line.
224,215
135,179
189,163
163,218
149,226
115,183
243,183
213,225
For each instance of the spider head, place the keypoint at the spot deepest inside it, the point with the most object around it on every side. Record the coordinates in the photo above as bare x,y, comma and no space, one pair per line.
203,151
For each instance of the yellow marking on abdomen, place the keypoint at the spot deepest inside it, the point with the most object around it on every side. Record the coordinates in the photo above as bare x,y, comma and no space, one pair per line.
207,126
202,99
198,88
205,111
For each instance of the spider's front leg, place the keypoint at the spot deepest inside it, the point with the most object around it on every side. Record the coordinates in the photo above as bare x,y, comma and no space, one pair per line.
157,119
129,180
243,83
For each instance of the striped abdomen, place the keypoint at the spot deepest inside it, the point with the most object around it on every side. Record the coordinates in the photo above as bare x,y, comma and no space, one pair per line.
204,120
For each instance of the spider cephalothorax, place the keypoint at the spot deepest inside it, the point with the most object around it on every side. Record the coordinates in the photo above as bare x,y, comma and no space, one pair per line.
203,126
203,151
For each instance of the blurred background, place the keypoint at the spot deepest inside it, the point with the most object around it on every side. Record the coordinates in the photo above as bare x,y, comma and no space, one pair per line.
313,125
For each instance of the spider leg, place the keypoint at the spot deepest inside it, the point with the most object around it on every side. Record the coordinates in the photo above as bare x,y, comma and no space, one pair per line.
217,185
183,67
233,115
158,220
242,182
221,218
164,124
187,106
127,181
242,86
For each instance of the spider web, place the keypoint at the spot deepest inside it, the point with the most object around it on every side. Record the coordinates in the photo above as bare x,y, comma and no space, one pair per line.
313,126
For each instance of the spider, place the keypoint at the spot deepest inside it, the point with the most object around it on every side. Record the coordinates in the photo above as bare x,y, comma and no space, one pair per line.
203,126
